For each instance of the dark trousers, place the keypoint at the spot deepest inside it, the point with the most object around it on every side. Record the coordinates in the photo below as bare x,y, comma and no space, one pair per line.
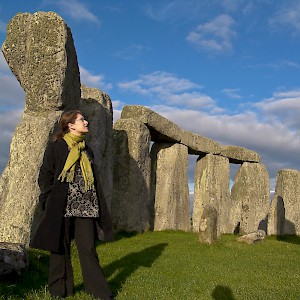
60,280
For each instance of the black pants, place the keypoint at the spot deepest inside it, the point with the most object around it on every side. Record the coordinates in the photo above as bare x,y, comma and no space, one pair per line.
60,280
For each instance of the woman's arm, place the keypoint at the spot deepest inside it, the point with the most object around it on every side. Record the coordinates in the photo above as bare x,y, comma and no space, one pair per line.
47,173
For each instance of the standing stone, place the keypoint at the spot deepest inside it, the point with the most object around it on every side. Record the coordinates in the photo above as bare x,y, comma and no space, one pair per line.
40,51
131,207
170,187
250,196
288,188
96,106
276,216
212,179
208,229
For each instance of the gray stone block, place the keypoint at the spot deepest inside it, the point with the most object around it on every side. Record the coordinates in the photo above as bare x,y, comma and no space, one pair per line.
161,129
238,155
208,228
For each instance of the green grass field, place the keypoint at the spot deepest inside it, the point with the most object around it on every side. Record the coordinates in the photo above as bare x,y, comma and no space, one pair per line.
174,265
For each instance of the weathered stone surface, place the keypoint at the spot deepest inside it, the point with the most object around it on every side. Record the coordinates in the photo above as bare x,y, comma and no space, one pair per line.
250,196
252,237
97,108
40,52
276,216
161,128
208,229
131,206
212,179
170,187
198,144
238,155
288,188
13,258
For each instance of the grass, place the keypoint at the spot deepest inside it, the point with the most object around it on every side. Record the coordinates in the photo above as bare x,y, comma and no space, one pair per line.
174,265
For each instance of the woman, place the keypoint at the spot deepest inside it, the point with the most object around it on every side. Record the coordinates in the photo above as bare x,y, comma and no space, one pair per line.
73,207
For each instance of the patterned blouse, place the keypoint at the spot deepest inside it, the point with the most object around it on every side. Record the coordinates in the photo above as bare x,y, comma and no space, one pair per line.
81,203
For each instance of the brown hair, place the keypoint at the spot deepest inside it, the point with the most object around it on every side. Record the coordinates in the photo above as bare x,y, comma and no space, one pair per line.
66,118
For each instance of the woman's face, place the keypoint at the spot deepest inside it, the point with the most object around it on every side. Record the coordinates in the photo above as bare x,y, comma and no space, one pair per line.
80,126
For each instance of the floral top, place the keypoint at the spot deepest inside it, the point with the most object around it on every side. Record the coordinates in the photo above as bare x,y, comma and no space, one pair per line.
81,203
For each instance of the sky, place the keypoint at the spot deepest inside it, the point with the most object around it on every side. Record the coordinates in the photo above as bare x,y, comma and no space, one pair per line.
228,69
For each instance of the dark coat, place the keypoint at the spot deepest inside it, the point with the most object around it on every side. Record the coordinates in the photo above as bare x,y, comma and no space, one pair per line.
53,199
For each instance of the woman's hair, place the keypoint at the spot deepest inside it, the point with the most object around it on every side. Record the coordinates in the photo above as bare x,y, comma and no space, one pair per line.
66,118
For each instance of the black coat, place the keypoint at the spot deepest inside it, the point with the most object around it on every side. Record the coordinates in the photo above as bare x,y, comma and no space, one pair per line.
53,198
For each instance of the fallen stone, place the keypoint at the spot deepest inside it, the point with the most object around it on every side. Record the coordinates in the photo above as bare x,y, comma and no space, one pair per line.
252,237
13,258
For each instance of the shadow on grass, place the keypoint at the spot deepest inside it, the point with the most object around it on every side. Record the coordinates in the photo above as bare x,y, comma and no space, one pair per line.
128,264
222,292
292,239
34,278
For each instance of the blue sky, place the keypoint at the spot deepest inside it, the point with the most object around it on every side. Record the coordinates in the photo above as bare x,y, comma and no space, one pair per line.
227,69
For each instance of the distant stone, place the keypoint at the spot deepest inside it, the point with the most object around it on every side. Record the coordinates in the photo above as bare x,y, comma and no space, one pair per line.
13,258
131,207
238,155
198,144
212,180
170,191
276,216
208,225
96,106
162,129
250,196
288,188
252,237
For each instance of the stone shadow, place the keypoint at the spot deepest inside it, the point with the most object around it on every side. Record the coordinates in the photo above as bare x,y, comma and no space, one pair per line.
128,264
222,292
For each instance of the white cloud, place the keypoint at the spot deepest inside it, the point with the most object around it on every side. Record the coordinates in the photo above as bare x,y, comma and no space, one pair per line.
8,122
91,80
288,15
75,9
215,35
232,93
12,94
170,89
2,27
283,107
131,52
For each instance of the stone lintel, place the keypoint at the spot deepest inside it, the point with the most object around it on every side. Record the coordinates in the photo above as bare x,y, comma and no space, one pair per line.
238,155
161,129
198,144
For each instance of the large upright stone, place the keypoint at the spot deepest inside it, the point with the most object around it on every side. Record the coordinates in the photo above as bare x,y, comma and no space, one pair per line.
212,179
276,216
97,107
170,189
250,196
40,52
288,188
131,206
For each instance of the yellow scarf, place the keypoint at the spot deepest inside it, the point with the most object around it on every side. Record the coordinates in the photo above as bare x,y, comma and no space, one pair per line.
77,145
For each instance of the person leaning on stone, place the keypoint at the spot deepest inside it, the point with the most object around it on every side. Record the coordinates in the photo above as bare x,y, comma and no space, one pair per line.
73,208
